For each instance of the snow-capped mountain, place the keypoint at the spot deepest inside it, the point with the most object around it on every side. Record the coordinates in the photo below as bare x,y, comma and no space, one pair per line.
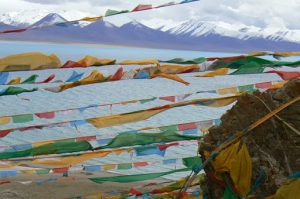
28,17
192,28
198,28
23,18
189,35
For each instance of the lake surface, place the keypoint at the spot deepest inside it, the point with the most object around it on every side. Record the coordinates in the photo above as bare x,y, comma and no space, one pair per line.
76,51
67,51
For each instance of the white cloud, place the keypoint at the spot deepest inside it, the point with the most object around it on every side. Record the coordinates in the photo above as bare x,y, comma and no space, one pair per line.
261,13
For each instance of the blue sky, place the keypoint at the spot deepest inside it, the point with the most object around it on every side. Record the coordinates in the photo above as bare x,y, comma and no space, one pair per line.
261,13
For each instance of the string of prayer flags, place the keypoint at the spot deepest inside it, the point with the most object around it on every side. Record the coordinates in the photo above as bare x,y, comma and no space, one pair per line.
39,61
89,61
108,13
140,73
121,140
24,118
185,129
118,119
198,60
65,160
190,163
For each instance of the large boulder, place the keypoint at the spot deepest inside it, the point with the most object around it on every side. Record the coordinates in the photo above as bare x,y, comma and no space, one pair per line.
274,146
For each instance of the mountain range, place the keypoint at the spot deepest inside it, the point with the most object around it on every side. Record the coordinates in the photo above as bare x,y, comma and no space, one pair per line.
189,35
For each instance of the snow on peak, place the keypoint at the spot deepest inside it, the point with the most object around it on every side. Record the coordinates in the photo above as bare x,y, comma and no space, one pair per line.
102,24
51,18
108,24
23,18
136,23
198,28
28,17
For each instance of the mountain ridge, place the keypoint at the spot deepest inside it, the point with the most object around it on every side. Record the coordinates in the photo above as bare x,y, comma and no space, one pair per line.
189,35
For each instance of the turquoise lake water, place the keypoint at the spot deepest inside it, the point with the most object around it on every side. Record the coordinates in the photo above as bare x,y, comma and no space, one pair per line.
77,51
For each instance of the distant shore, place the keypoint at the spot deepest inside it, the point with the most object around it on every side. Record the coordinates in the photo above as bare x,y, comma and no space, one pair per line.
111,45
71,43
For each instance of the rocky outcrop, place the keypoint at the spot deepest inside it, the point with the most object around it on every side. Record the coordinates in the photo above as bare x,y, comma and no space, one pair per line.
274,146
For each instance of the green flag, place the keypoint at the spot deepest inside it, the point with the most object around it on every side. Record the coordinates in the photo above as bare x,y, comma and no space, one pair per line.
30,79
66,146
12,90
249,68
110,12
188,162
132,139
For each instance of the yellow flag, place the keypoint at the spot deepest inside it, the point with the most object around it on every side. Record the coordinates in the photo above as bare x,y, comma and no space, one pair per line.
278,85
5,120
59,161
92,19
287,54
238,163
93,61
113,120
108,167
218,72
289,190
15,81
64,161
29,61
94,77
223,102
95,196
172,77
139,62
224,91
176,69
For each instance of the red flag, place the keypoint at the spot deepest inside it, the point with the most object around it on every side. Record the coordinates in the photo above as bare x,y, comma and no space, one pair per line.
47,115
86,138
263,85
12,31
4,182
169,98
165,146
60,170
134,192
140,164
4,133
187,126
71,64
160,107
30,127
118,75
50,78
226,59
142,7
286,75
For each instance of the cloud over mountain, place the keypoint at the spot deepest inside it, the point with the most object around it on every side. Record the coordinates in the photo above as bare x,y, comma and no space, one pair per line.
267,13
